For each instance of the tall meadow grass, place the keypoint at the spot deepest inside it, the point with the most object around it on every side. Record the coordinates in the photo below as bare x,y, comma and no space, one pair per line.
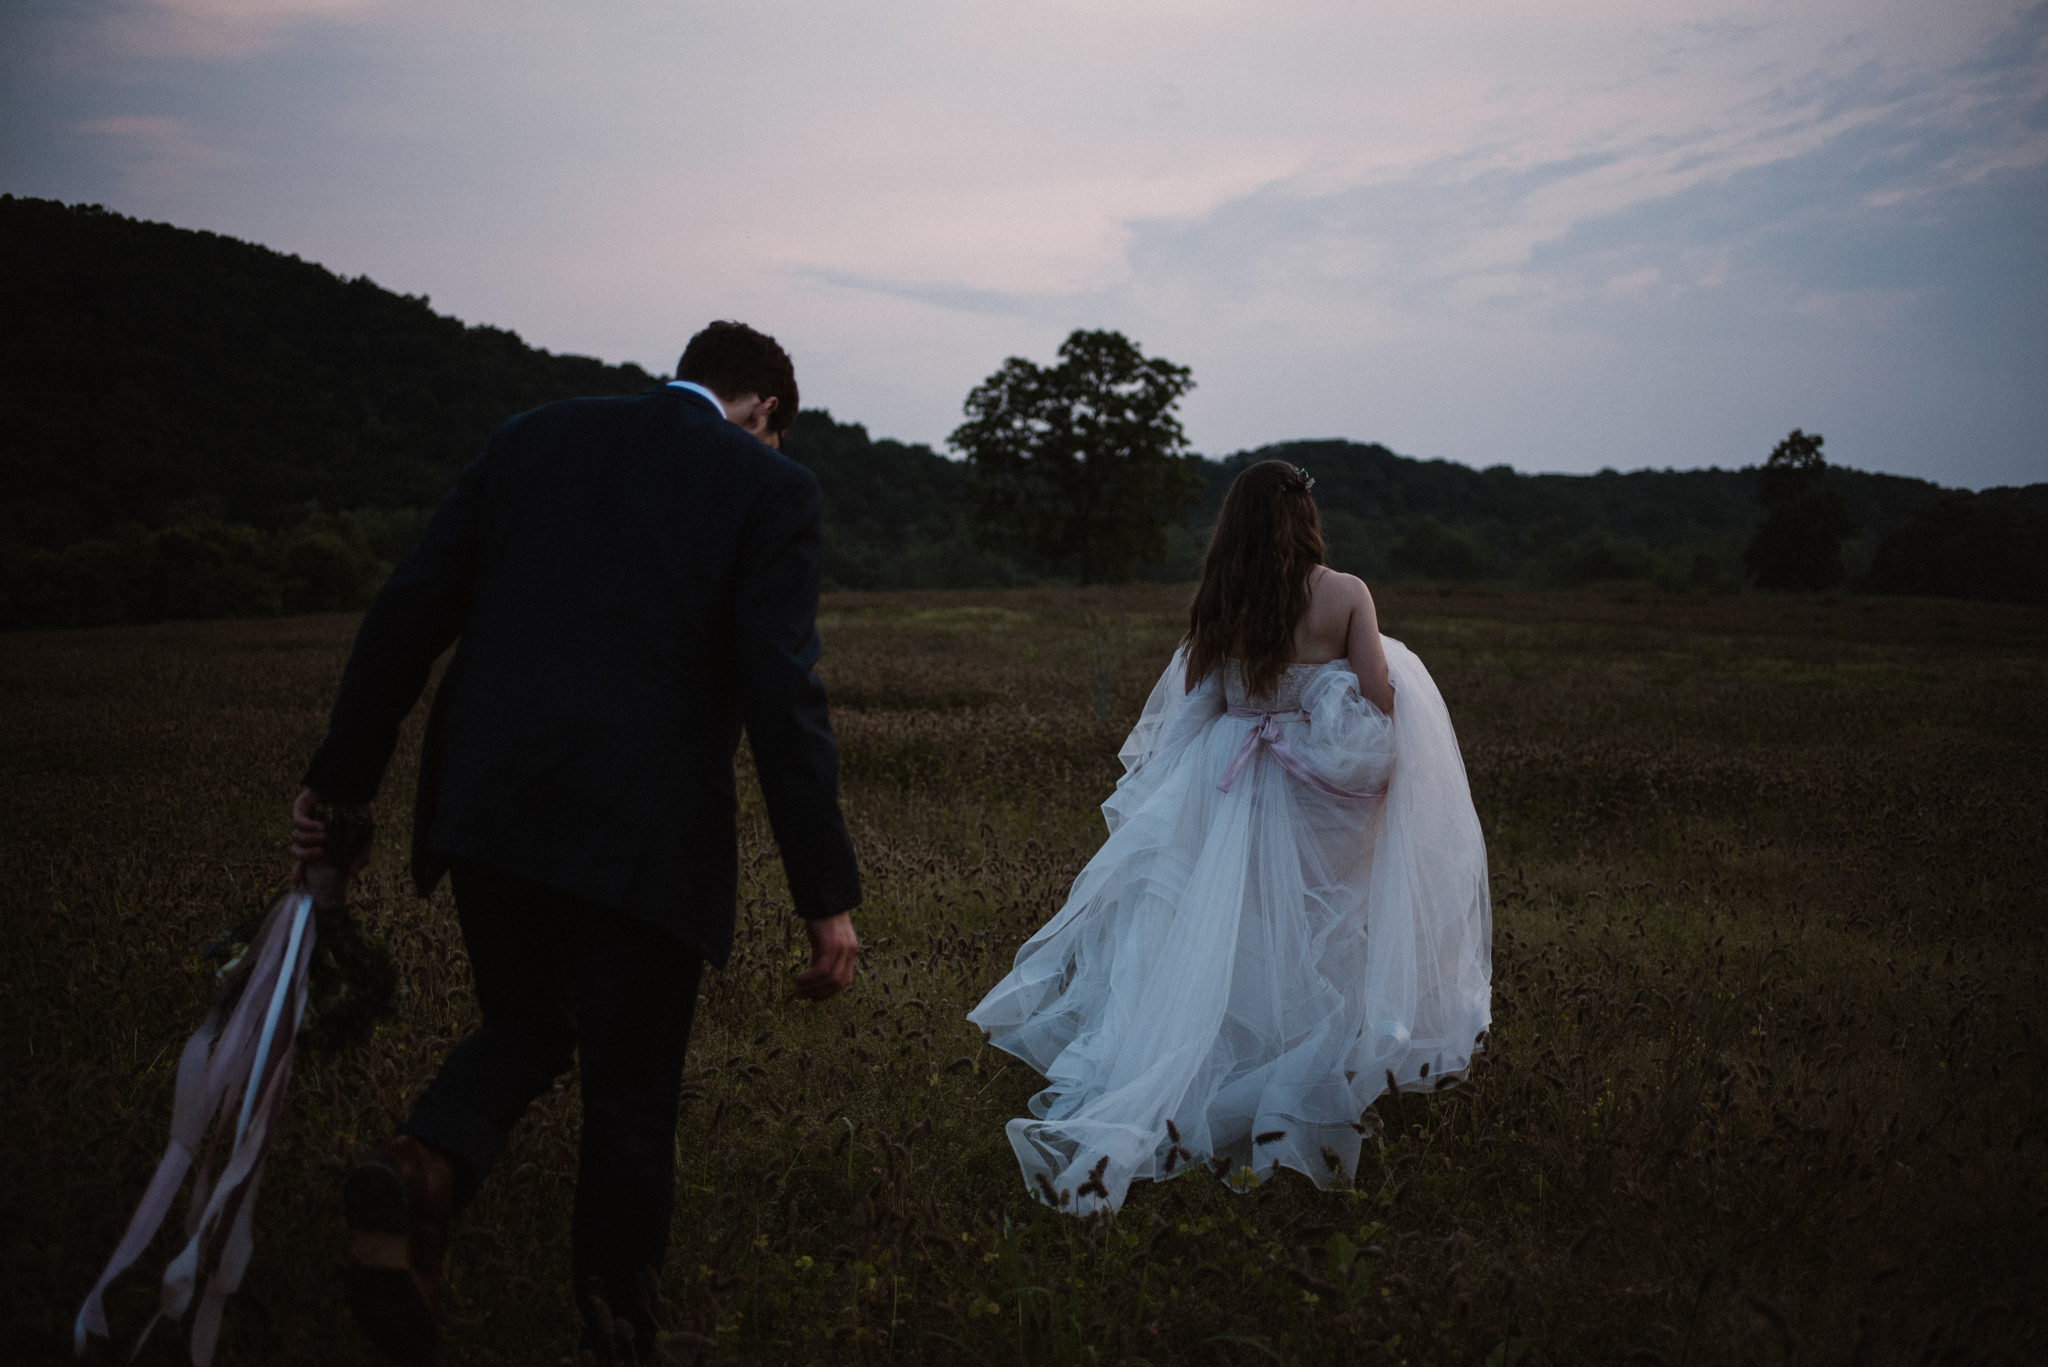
1764,1084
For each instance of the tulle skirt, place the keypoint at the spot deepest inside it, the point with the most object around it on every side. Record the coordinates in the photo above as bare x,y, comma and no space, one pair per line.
1238,974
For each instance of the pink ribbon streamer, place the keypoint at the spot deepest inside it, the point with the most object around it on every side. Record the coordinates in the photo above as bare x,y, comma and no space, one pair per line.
246,1056
1268,734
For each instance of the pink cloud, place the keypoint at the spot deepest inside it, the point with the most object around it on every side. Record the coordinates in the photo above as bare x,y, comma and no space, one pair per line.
226,28
153,154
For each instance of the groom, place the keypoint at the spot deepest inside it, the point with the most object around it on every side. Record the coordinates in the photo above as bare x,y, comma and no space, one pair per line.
633,581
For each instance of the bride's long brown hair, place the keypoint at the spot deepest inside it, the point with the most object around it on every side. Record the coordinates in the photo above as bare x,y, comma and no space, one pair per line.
1254,589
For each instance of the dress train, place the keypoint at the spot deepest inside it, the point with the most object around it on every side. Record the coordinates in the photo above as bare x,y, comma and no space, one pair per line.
1291,912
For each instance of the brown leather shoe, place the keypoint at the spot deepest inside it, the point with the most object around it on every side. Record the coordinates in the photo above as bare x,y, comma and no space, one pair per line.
399,1202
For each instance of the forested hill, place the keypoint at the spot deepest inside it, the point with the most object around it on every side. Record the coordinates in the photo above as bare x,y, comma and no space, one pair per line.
1388,515
895,519
1658,507
202,427
156,375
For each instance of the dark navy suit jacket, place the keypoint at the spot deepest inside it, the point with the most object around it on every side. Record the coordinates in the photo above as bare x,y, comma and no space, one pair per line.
633,580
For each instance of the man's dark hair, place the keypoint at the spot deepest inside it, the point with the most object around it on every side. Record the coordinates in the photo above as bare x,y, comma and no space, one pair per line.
731,359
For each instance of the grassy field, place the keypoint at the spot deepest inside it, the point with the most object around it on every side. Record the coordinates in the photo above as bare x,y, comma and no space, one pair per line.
1765,1084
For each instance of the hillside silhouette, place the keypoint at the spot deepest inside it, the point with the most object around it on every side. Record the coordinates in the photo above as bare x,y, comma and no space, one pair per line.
152,369
204,427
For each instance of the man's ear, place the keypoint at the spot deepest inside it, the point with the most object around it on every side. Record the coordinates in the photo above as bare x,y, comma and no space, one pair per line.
757,419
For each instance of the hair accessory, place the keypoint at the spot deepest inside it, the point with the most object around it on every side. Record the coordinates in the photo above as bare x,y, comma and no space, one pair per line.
1308,481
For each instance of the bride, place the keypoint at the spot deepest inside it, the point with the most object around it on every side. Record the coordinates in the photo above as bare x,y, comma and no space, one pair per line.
1290,914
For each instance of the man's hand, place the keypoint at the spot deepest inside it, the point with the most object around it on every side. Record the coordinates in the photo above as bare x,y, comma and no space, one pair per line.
309,840
834,947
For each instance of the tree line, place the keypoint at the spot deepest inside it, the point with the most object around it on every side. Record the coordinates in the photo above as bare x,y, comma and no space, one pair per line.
1083,465
203,427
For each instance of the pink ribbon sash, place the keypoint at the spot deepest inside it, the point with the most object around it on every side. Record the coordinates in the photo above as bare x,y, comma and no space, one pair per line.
1268,734
243,1054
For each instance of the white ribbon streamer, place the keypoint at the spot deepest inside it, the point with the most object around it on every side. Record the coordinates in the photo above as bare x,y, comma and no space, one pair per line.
234,1050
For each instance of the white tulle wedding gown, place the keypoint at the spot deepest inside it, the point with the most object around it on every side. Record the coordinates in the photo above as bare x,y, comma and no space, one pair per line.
1291,910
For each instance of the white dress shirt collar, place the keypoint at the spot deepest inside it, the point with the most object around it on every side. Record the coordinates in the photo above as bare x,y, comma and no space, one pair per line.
696,388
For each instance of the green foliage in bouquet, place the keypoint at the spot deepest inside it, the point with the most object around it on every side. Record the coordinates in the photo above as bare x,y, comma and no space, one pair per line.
353,981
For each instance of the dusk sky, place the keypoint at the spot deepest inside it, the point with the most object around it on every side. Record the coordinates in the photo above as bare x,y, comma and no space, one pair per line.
1561,236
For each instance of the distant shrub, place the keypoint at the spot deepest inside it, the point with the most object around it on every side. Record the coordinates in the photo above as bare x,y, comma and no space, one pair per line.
391,532
85,585
1356,546
1966,546
191,573
1710,565
200,573
1597,558
956,563
329,567
1430,550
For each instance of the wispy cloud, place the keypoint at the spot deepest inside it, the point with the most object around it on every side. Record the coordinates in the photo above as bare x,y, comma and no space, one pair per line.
223,28
1588,233
937,294
152,153
1639,213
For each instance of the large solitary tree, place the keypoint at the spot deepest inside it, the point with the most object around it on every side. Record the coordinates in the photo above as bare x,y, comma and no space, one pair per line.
1084,462
1799,543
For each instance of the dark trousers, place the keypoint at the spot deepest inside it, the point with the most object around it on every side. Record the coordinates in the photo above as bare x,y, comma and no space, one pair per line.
557,976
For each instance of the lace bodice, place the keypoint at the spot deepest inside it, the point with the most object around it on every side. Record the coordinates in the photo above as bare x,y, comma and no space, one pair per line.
1286,694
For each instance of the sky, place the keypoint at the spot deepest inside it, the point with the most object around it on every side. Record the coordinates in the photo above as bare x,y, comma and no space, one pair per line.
1561,237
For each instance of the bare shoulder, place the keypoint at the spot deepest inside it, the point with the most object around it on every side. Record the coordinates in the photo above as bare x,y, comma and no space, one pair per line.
1335,591
1335,600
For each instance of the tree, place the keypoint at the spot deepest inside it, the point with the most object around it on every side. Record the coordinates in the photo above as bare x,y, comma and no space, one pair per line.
1799,543
1084,462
